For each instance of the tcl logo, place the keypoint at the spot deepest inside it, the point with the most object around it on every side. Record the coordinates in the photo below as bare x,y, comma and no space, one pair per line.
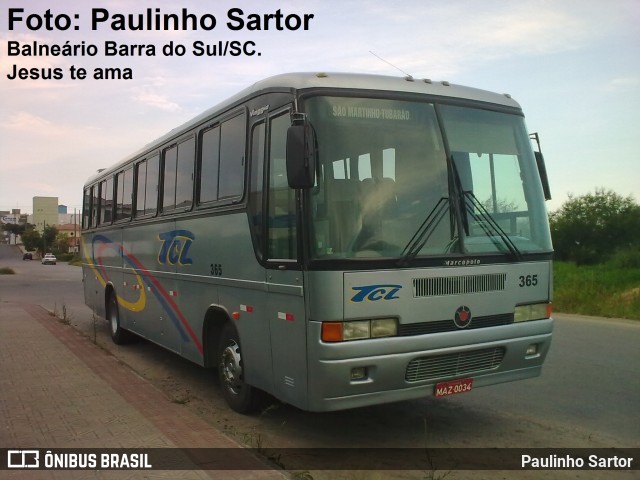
374,293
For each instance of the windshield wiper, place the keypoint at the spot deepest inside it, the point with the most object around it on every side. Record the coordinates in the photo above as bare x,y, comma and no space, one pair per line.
479,213
423,233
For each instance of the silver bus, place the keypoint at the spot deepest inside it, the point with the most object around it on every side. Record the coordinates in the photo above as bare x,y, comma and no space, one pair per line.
333,240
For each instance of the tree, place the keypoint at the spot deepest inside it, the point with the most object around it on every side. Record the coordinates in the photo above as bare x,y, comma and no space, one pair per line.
31,239
14,228
61,244
589,228
46,242
49,237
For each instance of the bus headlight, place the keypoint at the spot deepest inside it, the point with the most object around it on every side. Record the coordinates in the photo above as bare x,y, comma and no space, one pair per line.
356,330
384,327
359,329
535,311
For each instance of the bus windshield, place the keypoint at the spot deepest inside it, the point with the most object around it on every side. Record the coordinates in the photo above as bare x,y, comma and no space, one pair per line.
388,187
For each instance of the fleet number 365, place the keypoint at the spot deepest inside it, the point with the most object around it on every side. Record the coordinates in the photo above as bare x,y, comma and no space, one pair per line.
528,280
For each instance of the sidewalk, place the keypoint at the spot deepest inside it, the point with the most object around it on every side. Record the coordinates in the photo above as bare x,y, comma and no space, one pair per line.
59,390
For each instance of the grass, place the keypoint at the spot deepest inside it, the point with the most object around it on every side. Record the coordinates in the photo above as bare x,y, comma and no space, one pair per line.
605,290
76,262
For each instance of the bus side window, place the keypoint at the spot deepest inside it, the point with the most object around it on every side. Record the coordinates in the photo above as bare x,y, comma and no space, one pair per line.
147,186
95,205
184,173
106,201
141,183
255,207
178,175
222,161
86,207
169,178
232,144
209,165
151,190
124,191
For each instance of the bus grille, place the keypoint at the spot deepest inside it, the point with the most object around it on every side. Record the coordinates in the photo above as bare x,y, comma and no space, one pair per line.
454,364
457,285
439,326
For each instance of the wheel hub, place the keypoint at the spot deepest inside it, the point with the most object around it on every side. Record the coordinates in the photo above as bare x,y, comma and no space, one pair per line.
113,321
231,368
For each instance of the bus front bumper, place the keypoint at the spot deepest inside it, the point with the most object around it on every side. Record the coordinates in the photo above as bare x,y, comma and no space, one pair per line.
357,374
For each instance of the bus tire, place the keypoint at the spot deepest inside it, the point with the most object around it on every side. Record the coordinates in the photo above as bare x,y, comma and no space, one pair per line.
119,335
239,396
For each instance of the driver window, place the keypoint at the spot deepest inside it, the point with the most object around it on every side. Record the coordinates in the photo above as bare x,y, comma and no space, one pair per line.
282,236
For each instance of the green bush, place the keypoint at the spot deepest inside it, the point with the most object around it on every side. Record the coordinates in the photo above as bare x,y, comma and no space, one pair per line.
6,271
588,229
76,260
626,258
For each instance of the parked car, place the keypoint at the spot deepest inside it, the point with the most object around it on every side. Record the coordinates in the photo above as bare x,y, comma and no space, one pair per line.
27,256
49,259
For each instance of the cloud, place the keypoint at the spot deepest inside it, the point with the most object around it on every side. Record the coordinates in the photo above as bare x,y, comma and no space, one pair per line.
623,83
445,39
156,101
25,121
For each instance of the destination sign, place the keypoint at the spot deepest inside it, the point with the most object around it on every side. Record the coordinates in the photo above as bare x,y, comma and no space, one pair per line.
343,111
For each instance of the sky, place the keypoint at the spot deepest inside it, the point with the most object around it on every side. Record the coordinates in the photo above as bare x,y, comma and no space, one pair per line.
573,65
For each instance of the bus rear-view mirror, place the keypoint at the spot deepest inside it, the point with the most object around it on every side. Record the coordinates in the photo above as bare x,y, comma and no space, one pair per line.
300,156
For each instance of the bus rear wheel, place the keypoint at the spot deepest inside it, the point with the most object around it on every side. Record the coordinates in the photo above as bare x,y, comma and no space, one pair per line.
239,396
119,335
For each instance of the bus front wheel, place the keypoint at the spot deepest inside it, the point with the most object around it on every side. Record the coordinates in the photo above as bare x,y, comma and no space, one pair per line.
240,396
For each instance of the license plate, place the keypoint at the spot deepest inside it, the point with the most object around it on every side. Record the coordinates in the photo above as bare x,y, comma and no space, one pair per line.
454,387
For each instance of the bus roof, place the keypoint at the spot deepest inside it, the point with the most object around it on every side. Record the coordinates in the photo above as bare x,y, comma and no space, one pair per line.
301,81
292,82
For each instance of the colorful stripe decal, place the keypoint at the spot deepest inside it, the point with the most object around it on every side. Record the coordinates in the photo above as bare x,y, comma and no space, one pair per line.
99,244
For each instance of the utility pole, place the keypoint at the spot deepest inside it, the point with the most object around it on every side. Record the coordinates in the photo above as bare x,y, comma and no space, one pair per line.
76,248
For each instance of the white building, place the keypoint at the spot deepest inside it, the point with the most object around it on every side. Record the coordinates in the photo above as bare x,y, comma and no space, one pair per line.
45,212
